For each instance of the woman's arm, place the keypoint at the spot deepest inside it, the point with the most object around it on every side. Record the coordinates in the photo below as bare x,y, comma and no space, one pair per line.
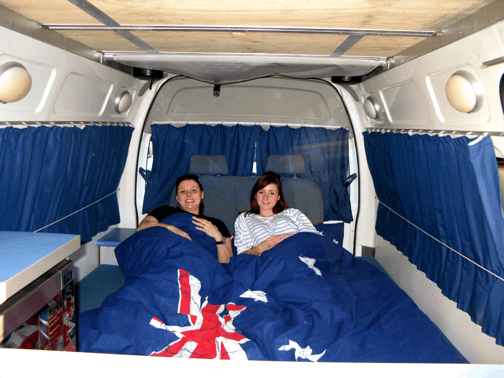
224,252
266,244
242,239
302,221
150,221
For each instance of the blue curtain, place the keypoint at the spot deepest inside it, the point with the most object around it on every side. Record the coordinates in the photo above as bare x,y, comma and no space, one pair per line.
440,205
49,173
325,152
174,146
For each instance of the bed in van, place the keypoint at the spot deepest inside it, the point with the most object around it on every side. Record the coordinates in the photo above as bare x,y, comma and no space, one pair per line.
106,103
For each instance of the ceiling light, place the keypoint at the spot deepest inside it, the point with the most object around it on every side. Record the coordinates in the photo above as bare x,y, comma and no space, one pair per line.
15,82
464,92
123,102
371,108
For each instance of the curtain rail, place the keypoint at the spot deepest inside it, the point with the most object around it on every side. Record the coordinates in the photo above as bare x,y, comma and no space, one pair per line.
21,124
454,133
251,124
246,29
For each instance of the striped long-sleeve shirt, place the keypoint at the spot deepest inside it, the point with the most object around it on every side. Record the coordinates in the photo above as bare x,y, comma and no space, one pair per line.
252,229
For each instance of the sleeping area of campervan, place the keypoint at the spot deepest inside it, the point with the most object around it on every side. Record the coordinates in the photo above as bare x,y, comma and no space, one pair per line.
296,186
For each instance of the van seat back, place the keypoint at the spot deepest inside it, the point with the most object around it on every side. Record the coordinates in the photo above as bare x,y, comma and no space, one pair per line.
227,196
302,194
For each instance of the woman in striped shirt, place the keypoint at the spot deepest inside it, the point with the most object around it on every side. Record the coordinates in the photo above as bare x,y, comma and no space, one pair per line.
270,220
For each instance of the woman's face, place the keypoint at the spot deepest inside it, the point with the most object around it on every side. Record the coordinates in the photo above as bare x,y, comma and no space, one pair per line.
189,196
267,198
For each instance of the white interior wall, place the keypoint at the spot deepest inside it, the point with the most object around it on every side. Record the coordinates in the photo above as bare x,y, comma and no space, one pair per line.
127,187
412,96
68,88
275,101
363,227
65,87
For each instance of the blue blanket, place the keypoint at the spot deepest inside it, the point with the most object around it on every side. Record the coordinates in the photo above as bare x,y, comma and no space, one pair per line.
307,299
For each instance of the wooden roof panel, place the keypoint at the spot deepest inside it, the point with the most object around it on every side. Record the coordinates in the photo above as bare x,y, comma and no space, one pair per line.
360,14
399,15
382,45
50,11
369,14
102,40
264,43
231,42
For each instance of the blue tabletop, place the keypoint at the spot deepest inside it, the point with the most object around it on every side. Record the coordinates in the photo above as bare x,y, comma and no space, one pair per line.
19,250
115,237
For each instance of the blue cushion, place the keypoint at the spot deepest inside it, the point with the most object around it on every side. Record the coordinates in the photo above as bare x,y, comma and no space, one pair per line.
97,285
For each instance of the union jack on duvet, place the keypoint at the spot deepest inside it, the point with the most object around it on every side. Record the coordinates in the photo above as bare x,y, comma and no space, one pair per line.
209,334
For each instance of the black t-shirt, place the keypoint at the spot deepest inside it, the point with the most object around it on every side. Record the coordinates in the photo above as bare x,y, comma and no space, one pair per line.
164,211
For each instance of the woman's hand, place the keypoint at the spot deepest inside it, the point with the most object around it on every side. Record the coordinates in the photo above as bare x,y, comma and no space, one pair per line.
208,228
224,252
267,244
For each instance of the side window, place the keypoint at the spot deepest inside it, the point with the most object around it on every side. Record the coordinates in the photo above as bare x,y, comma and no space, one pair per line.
501,91
150,156
145,159
500,166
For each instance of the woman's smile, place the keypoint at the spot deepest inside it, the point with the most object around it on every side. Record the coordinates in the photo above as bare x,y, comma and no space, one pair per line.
267,198
189,196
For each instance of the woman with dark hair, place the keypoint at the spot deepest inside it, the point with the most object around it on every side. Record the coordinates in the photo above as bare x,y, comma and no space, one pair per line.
269,220
189,195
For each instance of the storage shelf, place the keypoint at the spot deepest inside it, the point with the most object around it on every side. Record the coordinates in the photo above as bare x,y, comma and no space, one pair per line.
25,256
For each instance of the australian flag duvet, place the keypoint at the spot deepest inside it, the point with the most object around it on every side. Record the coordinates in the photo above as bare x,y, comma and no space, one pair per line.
306,299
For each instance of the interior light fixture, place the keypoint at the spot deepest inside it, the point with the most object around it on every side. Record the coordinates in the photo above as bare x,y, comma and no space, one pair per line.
464,92
371,108
123,102
15,82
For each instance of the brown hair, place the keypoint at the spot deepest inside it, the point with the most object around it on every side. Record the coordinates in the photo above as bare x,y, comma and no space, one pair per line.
263,181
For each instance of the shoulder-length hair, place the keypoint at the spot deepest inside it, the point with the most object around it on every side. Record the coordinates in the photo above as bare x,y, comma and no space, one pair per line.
190,176
263,181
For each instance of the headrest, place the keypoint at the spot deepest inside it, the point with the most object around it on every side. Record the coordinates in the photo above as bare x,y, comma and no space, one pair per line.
208,165
286,164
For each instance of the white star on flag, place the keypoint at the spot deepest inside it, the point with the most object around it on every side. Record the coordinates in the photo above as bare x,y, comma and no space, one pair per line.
311,264
305,353
257,295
